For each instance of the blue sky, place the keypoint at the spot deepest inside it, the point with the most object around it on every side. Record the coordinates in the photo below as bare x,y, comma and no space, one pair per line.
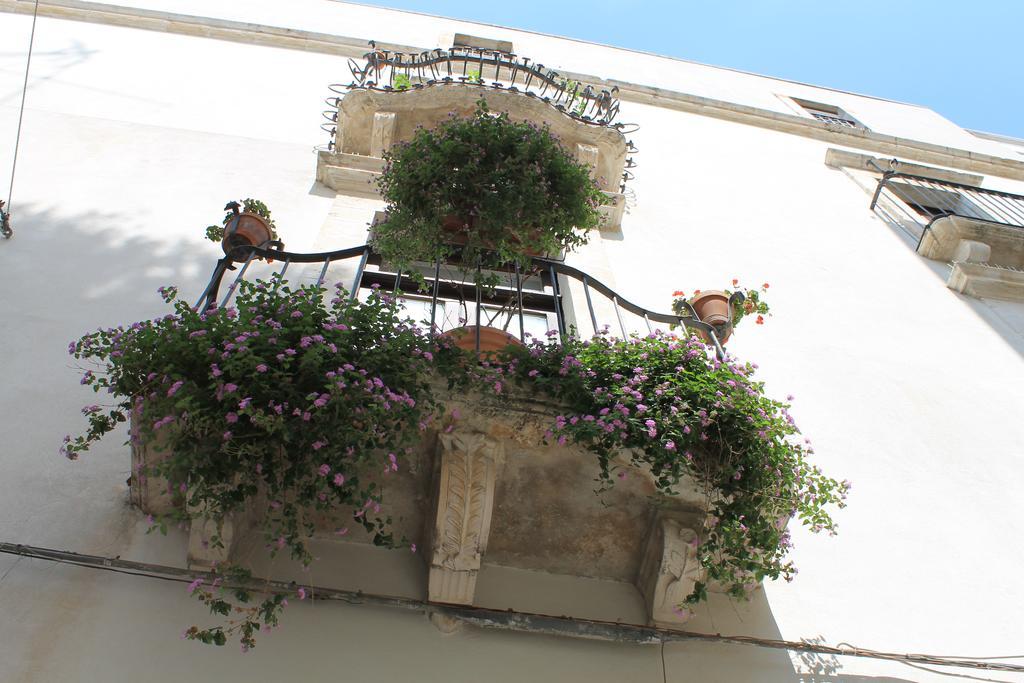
962,59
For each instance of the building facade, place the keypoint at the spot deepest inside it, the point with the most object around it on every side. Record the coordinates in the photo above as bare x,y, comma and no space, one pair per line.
892,239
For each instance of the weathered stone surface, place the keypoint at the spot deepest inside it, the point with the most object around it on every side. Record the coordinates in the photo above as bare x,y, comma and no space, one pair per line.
987,282
668,571
465,499
942,239
383,133
971,251
150,494
430,106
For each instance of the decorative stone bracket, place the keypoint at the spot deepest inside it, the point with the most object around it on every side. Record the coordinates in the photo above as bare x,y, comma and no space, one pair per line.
465,500
668,571
988,258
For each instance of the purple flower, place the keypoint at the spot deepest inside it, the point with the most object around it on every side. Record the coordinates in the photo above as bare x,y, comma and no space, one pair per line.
230,388
231,418
296,314
261,368
192,587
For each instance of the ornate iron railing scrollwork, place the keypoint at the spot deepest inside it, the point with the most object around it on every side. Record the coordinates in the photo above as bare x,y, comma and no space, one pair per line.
387,71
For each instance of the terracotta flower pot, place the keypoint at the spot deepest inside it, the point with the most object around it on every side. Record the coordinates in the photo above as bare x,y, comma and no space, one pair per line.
247,229
713,308
457,229
492,339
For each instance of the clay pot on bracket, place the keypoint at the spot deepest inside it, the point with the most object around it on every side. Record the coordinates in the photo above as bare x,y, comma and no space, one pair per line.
456,228
492,339
713,307
246,229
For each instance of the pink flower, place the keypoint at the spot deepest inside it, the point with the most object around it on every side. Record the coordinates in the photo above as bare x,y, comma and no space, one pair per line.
231,418
339,479
261,368
342,531
174,388
412,547
324,470
230,388
302,591
194,586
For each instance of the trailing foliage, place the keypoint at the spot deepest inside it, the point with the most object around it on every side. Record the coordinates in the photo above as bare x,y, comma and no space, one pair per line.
505,188
303,403
305,406
679,412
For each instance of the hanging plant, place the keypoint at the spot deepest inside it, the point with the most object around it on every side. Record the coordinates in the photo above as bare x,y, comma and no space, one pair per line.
491,189
680,413
245,224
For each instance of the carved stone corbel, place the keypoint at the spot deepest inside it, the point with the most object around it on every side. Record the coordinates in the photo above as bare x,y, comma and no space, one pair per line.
668,571
382,135
465,500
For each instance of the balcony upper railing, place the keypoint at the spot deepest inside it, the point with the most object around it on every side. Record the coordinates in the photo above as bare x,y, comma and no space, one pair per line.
915,202
388,71
547,287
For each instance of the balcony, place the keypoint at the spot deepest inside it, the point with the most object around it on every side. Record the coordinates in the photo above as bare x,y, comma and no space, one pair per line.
979,232
485,498
391,94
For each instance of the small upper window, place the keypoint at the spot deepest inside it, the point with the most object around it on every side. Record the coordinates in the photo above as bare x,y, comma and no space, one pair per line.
829,114
478,43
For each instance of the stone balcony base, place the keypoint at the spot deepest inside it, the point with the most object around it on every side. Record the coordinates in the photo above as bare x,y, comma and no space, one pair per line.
491,494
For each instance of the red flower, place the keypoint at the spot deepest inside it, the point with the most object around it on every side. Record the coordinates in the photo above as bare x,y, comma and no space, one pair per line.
679,292
764,286
735,281
696,292
760,320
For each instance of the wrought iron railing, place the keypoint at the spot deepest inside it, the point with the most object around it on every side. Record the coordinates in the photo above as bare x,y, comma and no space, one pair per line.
557,289
385,70
915,202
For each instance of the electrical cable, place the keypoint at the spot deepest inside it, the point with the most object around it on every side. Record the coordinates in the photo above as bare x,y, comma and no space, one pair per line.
500,619
5,215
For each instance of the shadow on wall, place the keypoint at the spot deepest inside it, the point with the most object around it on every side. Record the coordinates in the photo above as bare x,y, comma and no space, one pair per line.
1005,318
99,267
52,62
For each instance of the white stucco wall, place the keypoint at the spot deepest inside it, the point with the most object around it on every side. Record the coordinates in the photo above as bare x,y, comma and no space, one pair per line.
133,141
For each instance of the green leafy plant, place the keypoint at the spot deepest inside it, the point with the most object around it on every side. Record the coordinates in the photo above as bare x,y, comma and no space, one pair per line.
401,82
215,233
509,188
753,302
473,76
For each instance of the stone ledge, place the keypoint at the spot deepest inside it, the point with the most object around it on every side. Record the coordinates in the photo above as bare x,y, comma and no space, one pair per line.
944,237
987,282
841,158
168,22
